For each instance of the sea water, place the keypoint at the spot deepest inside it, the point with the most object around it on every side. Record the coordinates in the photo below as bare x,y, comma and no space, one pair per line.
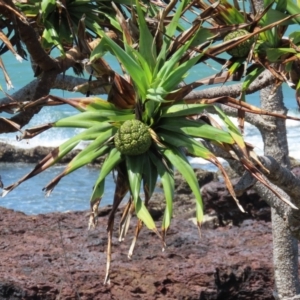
73,191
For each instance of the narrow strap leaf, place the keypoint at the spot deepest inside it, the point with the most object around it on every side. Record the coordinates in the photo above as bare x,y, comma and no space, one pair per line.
233,131
146,45
143,214
197,128
150,175
197,149
135,168
167,180
178,159
183,110
74,165
112,160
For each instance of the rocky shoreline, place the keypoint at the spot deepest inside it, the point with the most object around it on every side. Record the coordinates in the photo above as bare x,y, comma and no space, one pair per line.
11,154
54,256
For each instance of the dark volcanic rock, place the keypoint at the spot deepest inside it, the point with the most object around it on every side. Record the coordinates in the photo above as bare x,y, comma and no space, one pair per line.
54,256
12,154
218,202
203,178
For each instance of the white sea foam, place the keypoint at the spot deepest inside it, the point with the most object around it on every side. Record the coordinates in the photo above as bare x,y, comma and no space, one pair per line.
56,136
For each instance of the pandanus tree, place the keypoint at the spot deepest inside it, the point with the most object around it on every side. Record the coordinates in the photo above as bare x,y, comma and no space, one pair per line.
148,126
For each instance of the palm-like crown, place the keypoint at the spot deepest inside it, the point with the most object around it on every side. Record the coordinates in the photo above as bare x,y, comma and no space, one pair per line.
146,129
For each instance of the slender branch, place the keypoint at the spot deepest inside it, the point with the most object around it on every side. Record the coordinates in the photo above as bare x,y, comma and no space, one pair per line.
44,84
264,80
34,47
275,179
282,177
62,82
253,119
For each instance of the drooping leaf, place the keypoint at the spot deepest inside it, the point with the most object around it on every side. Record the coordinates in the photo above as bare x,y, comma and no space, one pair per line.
275,53
233,131
150,176
251,77
293,9
120,191
167,180
181,140
86,158
146,42
196,129
57,154
47,6
196,149
183,110
51,36
112,160
49,160
135,170
178,159
295,37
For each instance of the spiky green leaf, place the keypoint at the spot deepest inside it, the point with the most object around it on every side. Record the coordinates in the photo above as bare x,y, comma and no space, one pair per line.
88,118
47,6
135,169
232,130
251,77
167,179
146,43
183,110
181,140
131,66
196,129
112,160
178,159
150,175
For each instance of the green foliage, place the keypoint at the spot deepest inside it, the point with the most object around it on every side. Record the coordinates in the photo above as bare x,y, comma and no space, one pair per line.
59,20
146,128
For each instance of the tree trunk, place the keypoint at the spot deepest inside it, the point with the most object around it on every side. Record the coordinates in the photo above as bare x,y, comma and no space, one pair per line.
285,247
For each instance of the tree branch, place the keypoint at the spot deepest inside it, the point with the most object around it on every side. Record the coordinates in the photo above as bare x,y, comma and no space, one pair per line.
264,80
282,177
276,180
43,86
34,47
62,82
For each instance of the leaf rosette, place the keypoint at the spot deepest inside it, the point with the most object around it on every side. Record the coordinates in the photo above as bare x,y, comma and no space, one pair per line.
145,129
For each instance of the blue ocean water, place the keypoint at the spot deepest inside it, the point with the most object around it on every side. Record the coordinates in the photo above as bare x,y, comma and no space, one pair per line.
73,192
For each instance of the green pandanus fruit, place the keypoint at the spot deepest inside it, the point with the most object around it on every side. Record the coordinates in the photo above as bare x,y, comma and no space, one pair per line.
243,48
133,138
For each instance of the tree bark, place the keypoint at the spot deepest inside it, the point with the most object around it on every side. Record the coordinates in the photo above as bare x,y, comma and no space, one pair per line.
285,246
284,218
